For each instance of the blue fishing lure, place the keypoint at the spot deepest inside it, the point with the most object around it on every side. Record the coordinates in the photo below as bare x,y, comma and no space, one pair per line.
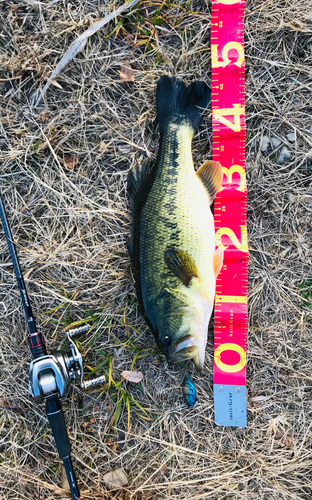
189,391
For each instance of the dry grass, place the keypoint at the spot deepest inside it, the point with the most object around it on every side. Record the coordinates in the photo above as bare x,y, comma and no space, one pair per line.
70,227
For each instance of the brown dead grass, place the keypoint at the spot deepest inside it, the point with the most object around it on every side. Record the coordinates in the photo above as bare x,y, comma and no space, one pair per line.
70,226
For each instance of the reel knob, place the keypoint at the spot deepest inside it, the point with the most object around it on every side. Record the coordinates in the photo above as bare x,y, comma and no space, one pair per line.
92,382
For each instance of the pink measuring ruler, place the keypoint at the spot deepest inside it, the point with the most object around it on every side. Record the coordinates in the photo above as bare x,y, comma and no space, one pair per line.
229,131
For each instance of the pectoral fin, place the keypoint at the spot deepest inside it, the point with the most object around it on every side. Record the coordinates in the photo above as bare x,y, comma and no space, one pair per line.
181,265
218,261
211,174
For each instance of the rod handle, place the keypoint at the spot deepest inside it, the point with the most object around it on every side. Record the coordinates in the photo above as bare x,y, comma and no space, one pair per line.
56,419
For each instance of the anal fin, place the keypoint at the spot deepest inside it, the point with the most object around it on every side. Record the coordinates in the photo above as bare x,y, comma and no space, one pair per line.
218,261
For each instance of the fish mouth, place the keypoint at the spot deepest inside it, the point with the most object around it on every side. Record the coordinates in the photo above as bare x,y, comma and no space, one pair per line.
188,348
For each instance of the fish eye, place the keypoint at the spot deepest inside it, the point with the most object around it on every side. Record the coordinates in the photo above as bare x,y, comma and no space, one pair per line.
166,341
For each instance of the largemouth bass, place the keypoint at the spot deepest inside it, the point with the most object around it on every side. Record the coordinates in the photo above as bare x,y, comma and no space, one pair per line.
172,246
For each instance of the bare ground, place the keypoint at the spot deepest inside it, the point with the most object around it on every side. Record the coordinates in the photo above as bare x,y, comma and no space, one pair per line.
63,174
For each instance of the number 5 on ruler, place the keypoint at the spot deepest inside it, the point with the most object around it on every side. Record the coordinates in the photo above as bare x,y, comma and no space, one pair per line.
225,55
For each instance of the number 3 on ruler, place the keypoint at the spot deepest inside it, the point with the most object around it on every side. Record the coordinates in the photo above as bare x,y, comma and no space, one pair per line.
235,169
243,247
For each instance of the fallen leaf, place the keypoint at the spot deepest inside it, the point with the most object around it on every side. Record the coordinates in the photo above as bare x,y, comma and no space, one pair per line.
92,421
289,441
16,409
258,399
43,116
70,161
115,479
135,377
85,424
113,445
126,73
102,147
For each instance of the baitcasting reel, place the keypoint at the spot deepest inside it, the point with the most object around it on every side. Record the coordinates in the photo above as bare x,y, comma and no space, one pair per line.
53,373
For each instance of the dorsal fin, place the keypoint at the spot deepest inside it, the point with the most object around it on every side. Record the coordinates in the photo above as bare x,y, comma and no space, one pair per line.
137,184
211,174
181,265
140,182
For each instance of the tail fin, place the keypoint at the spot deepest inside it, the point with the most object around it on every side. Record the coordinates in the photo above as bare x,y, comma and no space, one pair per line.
177,102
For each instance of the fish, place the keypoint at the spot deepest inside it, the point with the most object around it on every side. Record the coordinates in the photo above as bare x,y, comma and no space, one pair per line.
172,241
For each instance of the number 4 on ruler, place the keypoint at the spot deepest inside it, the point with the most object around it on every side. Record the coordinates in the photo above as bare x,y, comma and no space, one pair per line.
236,112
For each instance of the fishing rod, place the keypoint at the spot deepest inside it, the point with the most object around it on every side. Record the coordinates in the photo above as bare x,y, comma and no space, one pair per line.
51,374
